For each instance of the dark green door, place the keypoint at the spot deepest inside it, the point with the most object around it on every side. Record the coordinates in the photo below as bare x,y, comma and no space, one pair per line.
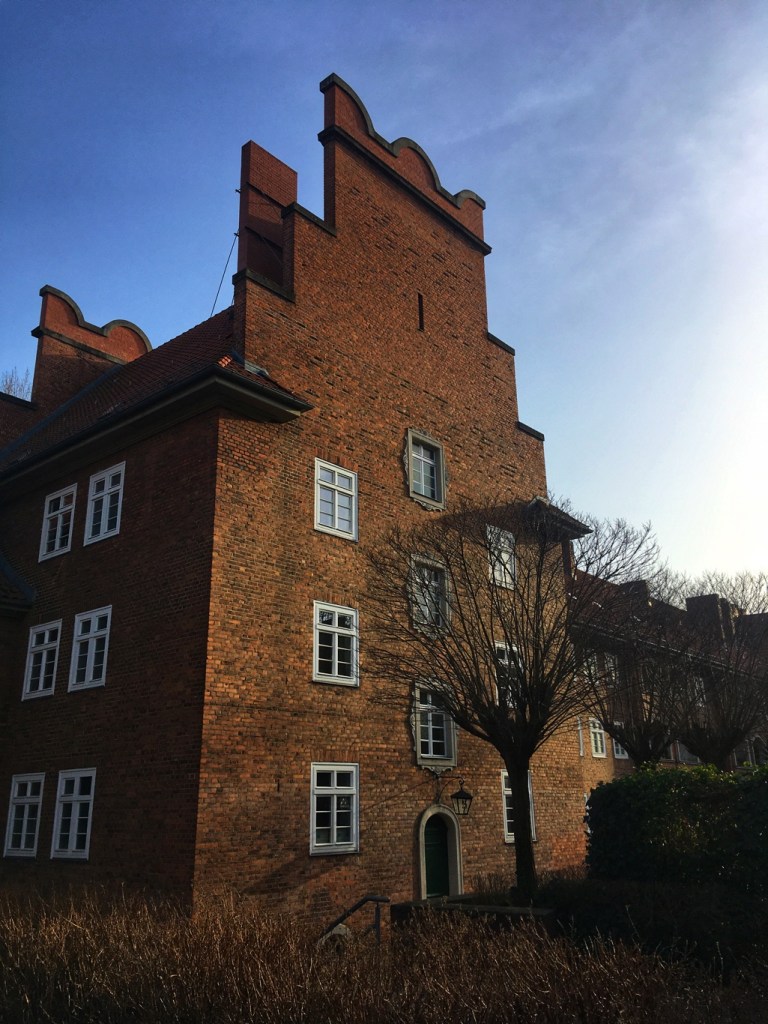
436,856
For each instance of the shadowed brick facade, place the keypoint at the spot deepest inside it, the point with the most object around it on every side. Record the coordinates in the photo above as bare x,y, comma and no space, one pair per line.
348,335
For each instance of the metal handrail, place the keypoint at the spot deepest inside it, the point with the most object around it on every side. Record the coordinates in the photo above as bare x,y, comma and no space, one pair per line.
375,927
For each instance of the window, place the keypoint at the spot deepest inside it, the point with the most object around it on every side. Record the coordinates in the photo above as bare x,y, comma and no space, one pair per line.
426,471
335,658
105,496
618,751
335,500
580,734
507,669
74,807
56,537
89,649
24,815
597,738
429,595
42,658
334,808
434,729
501,552
611,670
685,756
509,814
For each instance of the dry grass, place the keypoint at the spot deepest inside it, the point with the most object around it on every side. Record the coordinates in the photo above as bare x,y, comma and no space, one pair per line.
141,961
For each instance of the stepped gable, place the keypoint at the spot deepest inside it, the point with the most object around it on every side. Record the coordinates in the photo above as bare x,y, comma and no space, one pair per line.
347,118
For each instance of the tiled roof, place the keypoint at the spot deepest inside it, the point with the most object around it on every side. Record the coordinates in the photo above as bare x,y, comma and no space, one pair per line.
125,388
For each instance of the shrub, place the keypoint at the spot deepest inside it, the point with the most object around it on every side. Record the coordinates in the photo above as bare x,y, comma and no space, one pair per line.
698,826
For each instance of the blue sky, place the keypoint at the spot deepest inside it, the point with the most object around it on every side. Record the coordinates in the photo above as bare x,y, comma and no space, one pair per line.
621,147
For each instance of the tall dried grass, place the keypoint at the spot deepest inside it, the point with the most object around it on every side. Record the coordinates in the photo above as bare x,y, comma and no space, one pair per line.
86,960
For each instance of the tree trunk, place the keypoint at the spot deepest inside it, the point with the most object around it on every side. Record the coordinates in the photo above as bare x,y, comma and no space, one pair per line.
525,864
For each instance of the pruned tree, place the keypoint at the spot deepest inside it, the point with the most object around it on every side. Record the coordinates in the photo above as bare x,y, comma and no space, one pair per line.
12,382
478,607
724,693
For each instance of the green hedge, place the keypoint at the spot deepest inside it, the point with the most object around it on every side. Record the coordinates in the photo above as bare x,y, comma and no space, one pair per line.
693,826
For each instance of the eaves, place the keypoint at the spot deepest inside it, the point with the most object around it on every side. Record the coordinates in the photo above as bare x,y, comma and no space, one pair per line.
210,389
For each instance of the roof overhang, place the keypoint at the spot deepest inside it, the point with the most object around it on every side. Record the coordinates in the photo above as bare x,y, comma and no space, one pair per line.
215,387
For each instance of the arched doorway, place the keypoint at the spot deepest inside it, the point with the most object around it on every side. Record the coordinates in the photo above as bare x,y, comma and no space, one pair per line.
437,872
439,853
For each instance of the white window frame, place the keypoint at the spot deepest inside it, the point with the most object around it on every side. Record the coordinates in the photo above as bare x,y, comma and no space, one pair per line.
335,631
506,657
611,669
580,734
501,555
507,810
56,521
49,655
77,801
330,488
597,739
417,448
684,755
24,802
429,610
338,794
102,500
96,654
619,752
432,725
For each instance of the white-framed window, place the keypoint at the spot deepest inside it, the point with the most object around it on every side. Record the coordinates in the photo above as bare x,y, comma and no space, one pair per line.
334,808
426,470
42,659
56,536
508,810
24,815
611,663
434,729
105,499
90,647
619,752
506,668
685,756
597,738
501,553
335,500
429,594
335,645
580,734
74,811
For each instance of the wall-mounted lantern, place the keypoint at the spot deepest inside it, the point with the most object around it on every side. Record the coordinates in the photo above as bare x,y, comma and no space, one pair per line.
461,800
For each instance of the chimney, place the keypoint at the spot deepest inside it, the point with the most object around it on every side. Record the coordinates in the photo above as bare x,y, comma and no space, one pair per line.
267,187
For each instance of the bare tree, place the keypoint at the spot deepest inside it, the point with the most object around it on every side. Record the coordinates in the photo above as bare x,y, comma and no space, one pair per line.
12,382
724,697
638,667
478,606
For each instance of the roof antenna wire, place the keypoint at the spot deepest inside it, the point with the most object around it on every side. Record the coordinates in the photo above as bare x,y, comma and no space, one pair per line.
221,282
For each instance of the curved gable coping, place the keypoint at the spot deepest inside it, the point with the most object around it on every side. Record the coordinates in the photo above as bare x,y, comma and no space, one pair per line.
403,142
48,289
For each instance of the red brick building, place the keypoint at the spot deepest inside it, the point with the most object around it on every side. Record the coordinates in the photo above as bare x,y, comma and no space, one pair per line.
186,695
